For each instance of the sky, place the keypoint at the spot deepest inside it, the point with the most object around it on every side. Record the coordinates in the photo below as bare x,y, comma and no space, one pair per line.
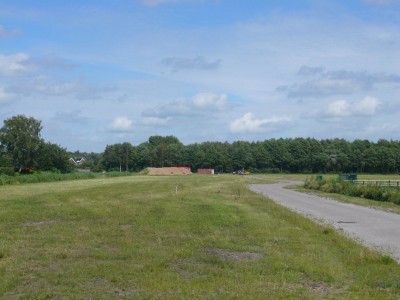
100,72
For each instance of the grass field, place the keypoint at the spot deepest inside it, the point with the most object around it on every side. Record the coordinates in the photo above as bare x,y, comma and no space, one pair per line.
184,237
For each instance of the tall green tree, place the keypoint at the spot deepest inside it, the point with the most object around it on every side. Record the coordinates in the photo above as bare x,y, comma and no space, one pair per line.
281,157
52,157
163,150
242,157
119,157
20,138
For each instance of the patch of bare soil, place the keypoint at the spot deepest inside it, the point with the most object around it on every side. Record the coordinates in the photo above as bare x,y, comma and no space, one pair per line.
167,171
42,223
189,269
319,288
233,255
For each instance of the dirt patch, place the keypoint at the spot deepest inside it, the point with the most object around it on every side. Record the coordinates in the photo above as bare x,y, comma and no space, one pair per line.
190,269
42,223
122,292
166,171
233,255
322,289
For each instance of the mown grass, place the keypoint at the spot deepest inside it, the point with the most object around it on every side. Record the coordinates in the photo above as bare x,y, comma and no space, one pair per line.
135,237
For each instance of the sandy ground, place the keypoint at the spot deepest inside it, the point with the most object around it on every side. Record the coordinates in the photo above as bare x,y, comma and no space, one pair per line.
372,227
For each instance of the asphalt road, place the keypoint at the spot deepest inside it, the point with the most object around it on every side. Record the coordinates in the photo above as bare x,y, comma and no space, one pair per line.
372,227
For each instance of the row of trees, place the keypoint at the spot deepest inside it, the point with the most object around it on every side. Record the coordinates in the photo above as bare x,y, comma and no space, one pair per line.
298,155
21,145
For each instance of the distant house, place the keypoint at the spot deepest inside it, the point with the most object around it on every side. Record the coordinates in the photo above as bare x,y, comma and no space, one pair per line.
205,171
77,160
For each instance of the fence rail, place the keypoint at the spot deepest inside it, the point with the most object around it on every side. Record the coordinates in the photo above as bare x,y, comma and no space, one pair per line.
377,182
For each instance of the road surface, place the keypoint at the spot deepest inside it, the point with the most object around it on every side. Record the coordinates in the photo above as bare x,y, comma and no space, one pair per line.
375,228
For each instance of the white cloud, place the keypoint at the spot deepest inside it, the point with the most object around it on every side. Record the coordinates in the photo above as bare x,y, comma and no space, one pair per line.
45,87
209,100
200,104
367,106
248,123
339,108
121,124
11,65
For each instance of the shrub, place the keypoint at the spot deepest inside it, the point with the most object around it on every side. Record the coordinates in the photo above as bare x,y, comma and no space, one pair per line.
314,183
7,171
327,187
373,192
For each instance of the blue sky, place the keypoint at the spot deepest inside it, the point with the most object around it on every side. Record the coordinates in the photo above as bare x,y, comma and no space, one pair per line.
109,71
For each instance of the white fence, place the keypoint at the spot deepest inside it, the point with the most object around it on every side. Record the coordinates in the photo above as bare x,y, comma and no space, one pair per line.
377,182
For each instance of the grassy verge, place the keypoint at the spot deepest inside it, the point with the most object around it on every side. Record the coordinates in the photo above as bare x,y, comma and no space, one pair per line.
50,177
175,238
348,188
386,206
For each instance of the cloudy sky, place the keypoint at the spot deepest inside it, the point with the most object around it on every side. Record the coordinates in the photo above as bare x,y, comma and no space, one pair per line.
100,72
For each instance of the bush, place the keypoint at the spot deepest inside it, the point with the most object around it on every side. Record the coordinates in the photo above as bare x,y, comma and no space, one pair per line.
5,179
313,184
7,171
373,192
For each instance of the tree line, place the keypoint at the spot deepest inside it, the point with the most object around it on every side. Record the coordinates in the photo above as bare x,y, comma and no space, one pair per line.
289,155
21,145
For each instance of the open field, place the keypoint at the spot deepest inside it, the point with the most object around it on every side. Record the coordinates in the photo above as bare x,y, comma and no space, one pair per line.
137,237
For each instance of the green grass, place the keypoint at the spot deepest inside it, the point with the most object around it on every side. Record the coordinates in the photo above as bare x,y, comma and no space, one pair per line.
135,237
51,177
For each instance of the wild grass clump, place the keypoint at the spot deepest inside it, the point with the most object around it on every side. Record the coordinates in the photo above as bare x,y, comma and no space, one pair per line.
338,186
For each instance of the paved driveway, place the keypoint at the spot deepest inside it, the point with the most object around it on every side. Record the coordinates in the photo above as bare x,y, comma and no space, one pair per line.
375,228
